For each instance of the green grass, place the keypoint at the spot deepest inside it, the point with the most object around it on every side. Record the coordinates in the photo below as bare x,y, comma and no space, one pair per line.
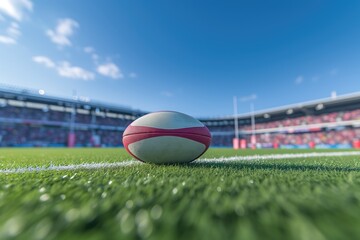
317,198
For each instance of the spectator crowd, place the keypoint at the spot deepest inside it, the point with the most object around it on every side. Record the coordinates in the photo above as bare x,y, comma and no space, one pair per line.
307,120
23,126
339,135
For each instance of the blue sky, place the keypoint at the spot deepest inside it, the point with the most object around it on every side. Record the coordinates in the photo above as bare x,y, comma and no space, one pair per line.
188,56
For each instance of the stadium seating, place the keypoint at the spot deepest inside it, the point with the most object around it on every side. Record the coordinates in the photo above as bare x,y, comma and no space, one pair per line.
27,127
341,136
27,121
307,120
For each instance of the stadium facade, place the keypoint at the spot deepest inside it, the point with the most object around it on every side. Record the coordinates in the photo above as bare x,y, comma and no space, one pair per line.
31,118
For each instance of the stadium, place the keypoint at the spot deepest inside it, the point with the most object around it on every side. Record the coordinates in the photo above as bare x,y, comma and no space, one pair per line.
30,118
282,143
162,120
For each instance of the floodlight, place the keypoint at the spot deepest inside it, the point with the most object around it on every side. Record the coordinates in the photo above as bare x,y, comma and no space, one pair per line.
319,107
290,111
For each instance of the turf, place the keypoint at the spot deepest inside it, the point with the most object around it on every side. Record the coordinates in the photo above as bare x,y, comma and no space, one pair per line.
317,198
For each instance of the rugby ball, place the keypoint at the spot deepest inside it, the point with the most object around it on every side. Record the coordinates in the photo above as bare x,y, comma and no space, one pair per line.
166,137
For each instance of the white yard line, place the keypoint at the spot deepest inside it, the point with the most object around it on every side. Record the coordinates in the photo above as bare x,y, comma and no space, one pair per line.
203,160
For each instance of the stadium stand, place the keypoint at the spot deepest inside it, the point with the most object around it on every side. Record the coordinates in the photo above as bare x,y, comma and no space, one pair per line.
30,118
324,123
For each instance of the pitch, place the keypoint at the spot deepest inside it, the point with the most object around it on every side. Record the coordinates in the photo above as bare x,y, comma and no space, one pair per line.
102,194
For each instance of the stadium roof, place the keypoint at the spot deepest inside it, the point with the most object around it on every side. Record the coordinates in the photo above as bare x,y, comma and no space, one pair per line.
314,107
39,96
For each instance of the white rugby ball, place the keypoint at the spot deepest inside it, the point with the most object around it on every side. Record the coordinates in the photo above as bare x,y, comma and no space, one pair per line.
166,137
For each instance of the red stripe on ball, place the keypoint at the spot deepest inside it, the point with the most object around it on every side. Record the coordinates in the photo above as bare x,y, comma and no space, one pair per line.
203,131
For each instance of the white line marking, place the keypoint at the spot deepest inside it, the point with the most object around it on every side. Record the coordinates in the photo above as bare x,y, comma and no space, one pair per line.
203,160
281,156
71,167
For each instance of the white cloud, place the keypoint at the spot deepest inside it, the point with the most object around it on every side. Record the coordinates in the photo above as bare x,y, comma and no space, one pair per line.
299,80
64,30
334,71
133,75
167,94
47,62
12,33
110,70
251,97
13,30
66,70
15,8
89,49
7,40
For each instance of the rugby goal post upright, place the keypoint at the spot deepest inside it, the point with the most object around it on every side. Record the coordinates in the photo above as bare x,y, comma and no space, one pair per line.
253,127
71,135
236,142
